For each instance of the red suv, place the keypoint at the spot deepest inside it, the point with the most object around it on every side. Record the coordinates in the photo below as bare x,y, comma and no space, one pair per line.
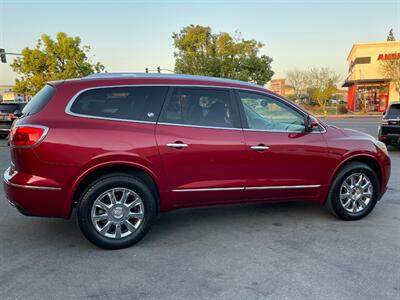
120,148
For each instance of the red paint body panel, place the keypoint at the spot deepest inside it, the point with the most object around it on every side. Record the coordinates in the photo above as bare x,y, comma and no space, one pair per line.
215,158
293,159
74,147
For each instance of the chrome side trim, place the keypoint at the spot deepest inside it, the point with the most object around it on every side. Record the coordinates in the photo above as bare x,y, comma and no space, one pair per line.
279,187
210,189
32,187
271,187
11,203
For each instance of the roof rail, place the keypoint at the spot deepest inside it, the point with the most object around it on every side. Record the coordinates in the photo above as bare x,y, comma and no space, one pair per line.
166,76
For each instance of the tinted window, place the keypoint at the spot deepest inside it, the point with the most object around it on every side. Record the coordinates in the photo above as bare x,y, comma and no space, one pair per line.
199,106
8,108
128,103
394,112
266,113
39,101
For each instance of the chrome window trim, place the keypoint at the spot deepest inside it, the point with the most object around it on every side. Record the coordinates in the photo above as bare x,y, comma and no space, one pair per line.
279,131
266,92
198,126
250,188
31,187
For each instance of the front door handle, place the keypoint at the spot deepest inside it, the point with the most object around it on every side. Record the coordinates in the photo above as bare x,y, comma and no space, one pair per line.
177,145
260,147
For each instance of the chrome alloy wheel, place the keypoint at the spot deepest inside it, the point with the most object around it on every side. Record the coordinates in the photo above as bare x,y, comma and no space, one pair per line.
356,192
117,213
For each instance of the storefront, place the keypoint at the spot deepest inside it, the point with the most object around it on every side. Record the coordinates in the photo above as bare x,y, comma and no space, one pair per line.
368,89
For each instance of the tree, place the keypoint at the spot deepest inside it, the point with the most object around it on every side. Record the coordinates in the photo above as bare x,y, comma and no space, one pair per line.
298,80
390,69
201,52
321,84
51,59
390,36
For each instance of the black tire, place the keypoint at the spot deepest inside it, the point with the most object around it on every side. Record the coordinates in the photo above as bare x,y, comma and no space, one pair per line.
333,202
95,189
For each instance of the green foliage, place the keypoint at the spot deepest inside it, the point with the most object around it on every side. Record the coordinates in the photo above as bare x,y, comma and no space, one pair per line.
201,52
321,83
52,60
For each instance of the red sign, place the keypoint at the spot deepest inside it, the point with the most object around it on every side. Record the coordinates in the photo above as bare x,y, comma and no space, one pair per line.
388,56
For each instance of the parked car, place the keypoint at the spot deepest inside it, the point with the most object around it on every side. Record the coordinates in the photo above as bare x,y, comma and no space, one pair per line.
389,130
8,112
121,148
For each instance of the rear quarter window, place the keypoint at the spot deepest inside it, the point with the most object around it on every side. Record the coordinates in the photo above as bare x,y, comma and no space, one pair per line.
39,101
121,103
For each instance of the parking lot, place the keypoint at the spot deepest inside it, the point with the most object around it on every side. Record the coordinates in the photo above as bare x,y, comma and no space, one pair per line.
278,251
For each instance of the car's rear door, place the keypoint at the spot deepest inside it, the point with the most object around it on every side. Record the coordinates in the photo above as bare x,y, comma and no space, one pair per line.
283,161
202,146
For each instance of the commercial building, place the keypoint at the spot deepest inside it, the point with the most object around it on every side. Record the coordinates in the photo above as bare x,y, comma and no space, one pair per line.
368,89
280,87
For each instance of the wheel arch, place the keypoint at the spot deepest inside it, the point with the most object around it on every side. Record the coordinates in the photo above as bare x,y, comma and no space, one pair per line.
369,160
119,167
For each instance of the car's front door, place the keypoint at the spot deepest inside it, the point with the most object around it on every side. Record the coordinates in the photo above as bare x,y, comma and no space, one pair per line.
283,160
202,146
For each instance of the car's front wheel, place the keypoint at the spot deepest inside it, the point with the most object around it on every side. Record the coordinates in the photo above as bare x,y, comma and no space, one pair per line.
116,211
354,192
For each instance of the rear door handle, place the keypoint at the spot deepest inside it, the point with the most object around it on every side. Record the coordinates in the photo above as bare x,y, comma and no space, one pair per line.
177,145
260,147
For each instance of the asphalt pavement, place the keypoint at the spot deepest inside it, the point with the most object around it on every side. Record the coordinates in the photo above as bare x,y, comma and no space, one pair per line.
276,251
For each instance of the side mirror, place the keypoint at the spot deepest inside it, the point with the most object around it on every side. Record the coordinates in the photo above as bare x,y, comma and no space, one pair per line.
310,123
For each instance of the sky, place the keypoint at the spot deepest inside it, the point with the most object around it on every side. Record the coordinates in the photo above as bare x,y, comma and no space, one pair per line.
132,35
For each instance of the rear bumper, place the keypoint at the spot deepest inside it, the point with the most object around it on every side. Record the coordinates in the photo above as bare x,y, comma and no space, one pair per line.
32,199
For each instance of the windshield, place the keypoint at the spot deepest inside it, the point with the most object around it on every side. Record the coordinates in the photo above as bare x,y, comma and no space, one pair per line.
8,108
393,112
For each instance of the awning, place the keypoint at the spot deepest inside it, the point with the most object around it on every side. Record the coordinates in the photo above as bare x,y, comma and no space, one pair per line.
349,83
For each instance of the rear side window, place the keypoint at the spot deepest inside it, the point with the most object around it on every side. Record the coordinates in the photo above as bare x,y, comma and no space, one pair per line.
200,107
394,112
39,101
126,103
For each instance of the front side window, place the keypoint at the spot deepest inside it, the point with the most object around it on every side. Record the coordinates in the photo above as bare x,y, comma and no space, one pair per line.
265,113
199,107
126,103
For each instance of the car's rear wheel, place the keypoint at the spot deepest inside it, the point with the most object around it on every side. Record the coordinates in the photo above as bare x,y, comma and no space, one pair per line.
354,192
116,211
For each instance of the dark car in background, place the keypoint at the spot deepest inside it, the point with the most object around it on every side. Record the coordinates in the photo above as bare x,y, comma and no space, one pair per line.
389,131
8,113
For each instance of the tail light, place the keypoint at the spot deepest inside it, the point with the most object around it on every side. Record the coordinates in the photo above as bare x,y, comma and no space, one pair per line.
11,116
27,135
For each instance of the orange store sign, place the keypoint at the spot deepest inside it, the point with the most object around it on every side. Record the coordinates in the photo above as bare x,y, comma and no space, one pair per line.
388,56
